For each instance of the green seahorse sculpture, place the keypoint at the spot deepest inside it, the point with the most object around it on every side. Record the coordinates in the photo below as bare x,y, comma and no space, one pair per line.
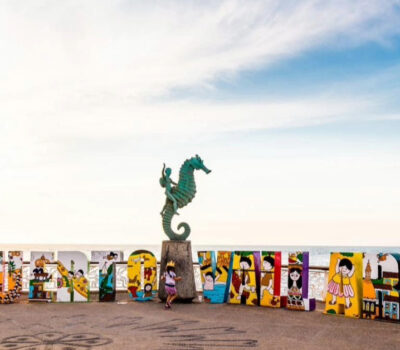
179,195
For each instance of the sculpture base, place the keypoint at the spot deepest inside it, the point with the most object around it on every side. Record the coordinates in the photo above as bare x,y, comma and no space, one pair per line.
181,253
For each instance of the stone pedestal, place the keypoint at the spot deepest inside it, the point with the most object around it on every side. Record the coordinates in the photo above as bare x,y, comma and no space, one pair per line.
181,253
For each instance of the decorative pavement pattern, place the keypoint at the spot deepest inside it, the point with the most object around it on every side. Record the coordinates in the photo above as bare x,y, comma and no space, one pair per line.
54,340
184,334
175,334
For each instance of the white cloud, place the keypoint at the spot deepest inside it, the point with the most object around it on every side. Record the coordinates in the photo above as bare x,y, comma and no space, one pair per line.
95,68
68,65
133,49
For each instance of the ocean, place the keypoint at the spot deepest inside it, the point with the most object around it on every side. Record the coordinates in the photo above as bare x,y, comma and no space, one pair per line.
319,255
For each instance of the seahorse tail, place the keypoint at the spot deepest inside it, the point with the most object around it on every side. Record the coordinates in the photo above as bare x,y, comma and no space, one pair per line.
186,230
166,222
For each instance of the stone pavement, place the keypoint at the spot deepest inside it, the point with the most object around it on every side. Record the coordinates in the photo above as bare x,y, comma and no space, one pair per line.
133,325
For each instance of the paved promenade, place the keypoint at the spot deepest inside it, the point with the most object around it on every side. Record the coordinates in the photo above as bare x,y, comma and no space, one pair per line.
187,326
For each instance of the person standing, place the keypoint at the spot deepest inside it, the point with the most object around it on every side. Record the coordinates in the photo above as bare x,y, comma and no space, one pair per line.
170,279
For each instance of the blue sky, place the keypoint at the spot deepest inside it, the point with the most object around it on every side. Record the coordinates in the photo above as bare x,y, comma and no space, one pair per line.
294,106
306,73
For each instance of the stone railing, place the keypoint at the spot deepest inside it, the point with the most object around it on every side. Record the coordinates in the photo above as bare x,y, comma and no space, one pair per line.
318,278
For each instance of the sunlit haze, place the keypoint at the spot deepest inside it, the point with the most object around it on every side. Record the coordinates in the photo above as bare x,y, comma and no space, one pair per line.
294,106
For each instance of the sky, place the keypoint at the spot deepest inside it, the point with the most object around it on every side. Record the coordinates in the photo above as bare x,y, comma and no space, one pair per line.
293,105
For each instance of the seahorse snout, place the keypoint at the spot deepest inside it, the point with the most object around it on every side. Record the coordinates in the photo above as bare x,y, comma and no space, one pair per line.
206,170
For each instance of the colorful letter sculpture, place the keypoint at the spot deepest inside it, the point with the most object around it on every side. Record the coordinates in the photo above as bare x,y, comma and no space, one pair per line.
222,276
215,275
72,282
345,285
243,288
14,277
381,287
2,272
107,270
270,280
146,289
207,263
298,283
42,282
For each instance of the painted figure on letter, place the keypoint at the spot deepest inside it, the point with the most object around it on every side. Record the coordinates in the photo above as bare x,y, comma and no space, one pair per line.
340,285
244,289
267,277
295,281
